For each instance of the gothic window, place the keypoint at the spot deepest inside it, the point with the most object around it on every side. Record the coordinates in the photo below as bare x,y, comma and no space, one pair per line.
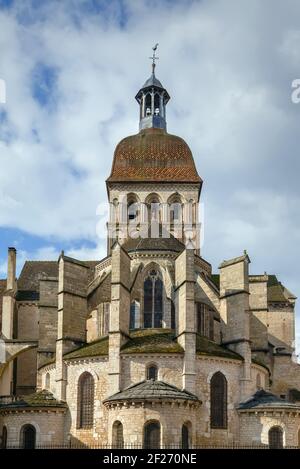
152,435
152,372
28,437
275,438
200,318
47,381
173,315
185,437
134,315
106,313
211,326
85,401
258,381
218,401
117,434
153,301
4,438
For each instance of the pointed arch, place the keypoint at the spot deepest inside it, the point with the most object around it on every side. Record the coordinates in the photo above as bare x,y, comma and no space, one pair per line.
153,293
218,401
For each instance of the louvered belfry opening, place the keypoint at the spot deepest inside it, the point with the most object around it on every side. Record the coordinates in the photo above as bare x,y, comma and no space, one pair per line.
86,401
276,438
218,401
152,435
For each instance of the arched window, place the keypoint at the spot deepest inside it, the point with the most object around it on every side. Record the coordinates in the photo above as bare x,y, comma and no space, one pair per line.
173,315
275,438
28,437
185,437
133,211
258,381
152,372
152,435
47,381
117,435
153,301
134,315
156,103
4,438
218,401
175,212
148,104
85,401
201,318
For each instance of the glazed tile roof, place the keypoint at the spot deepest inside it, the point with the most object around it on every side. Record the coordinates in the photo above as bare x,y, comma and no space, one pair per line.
151,389
264,399
39,399
153,155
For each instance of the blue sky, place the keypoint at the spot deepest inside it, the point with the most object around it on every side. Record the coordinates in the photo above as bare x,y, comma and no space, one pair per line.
72,69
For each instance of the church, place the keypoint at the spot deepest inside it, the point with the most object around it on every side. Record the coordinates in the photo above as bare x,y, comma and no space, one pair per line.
148,347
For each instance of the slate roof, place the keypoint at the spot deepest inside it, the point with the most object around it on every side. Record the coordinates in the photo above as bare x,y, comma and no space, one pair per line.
263,399
34,271
152,81
276,292
39,399
154,244
153,155
151,389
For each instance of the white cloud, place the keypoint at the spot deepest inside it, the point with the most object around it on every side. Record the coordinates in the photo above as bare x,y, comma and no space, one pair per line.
228,69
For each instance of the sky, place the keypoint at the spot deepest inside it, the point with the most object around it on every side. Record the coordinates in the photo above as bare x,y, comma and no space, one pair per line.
72,69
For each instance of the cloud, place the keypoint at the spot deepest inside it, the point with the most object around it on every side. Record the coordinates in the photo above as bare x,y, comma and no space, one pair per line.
72,70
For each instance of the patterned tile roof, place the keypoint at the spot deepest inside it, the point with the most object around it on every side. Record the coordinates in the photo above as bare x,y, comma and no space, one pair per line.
152,389
153,155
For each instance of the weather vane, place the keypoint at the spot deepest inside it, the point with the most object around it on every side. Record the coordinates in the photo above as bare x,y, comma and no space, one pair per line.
154,58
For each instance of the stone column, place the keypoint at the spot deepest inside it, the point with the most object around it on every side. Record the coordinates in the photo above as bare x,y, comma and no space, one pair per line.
8,300
234,311
72,314
185,303
119,314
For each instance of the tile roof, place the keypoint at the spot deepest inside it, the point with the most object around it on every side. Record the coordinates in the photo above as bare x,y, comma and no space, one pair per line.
39,399
151,389
153,155
207,347
34,271
152,341
264,399
153,244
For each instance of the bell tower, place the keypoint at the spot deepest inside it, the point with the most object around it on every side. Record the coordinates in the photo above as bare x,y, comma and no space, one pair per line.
152,98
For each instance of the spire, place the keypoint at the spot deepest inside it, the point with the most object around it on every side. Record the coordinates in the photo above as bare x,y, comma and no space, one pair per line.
152,99
154,58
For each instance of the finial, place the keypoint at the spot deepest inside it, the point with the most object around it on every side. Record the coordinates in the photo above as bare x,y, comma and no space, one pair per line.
154,58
